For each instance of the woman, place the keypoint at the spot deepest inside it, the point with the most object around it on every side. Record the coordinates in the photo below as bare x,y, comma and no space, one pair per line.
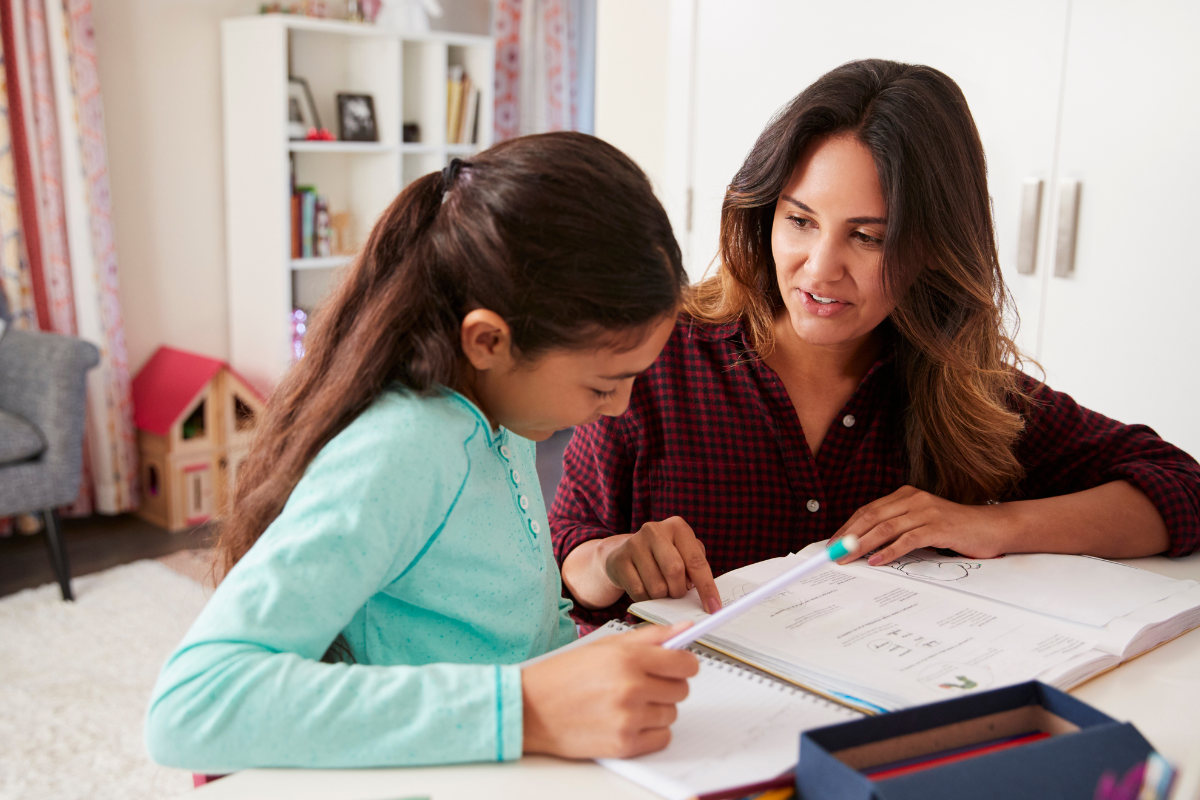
847,371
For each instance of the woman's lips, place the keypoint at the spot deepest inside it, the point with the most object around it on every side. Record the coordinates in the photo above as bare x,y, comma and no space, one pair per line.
819,309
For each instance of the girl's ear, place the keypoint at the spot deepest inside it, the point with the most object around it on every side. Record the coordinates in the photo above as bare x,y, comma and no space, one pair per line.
486,340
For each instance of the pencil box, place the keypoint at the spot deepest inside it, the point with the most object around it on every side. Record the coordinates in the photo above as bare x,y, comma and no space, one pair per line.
1026,740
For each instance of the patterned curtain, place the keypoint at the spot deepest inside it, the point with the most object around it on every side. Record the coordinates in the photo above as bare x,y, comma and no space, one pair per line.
545,66
58,264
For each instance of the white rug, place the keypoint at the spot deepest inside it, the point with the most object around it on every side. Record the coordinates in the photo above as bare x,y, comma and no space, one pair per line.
75,679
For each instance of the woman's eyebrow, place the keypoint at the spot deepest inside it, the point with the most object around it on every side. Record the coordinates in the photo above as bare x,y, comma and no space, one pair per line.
797,203
851,221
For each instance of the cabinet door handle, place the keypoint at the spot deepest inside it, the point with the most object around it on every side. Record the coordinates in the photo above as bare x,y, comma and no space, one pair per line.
1031,213
1068,221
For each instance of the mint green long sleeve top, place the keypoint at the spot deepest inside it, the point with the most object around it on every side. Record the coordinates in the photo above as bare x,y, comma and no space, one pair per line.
419,533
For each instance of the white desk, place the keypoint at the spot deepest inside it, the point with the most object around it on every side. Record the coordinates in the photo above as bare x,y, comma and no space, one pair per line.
1159,692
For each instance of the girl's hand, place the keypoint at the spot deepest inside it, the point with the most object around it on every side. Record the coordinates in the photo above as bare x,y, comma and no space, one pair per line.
910,518
663,559
612,699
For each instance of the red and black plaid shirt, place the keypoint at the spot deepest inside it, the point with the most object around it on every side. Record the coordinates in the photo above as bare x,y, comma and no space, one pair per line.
712,436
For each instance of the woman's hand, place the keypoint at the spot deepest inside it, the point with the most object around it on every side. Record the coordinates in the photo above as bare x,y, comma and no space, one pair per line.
910,518
663,559
612,699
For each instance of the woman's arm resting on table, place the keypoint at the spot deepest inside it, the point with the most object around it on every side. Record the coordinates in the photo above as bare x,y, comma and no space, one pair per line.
1114,520
660,560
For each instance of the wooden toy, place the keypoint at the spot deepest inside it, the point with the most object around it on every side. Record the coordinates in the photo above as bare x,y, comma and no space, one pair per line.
195,418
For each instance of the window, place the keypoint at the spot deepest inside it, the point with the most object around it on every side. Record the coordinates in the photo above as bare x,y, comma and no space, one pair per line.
193,426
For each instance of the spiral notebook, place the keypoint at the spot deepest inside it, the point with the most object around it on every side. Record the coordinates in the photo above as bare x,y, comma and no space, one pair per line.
738,727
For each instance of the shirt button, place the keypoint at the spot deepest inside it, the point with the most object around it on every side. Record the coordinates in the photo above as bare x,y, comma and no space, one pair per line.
848,420
504,451
523,502
813,506
516,478
535,527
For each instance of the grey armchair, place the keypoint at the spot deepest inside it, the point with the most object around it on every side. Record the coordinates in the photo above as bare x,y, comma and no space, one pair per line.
42,380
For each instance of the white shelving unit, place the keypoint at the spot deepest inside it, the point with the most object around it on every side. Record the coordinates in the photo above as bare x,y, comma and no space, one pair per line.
406,76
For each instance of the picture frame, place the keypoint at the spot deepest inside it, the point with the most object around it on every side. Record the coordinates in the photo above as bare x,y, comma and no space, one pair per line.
356,118
302,111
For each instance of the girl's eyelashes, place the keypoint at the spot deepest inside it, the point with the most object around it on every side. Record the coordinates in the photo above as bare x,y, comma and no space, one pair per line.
803,223
604,395
867,238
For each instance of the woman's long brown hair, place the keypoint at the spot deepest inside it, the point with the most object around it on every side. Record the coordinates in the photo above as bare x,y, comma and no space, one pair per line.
957,365
560,234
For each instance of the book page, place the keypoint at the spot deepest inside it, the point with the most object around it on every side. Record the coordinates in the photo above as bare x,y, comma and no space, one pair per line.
1091,591
734,729
884,643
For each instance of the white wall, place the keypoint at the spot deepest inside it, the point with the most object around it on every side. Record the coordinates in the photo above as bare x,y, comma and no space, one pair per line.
160,75
159,66
631,80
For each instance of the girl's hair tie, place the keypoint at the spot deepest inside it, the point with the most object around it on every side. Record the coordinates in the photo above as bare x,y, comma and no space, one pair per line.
449,175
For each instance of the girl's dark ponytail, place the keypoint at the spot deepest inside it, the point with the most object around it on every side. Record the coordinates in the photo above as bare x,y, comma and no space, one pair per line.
560,234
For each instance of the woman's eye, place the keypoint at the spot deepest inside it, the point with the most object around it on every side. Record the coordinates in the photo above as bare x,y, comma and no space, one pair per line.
801,222
604,395
867,238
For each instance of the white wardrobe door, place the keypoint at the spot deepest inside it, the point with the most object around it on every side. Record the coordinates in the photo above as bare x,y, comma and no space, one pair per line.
1121,333
752,56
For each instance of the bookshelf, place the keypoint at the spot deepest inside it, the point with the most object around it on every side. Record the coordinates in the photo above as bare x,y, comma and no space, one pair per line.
407,79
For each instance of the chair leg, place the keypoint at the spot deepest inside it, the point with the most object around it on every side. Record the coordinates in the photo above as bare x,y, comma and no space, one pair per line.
58,552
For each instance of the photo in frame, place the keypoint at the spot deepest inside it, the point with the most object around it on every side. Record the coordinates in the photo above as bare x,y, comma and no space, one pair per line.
356,118
302,111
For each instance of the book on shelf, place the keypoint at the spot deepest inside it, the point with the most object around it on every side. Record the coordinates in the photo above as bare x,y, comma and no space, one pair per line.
462,107
322,231
470,129
312,229
308,208
297,247
933,624
454,87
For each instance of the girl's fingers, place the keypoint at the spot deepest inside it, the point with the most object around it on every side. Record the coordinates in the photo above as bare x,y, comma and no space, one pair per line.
648,741
659,715
664,691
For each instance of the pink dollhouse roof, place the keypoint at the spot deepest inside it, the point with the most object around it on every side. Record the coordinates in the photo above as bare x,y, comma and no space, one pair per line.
167,385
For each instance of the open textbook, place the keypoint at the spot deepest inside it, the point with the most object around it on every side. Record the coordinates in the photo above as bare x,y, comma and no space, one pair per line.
929,627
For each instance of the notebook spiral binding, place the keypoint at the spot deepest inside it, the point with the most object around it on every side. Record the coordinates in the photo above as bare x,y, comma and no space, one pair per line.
729,664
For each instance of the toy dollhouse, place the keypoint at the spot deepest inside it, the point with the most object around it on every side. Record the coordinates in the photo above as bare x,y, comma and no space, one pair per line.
195,417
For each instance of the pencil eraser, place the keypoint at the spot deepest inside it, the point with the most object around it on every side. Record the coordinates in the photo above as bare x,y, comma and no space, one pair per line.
843,547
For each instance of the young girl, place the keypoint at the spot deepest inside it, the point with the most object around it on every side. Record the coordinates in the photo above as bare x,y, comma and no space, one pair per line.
387,554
